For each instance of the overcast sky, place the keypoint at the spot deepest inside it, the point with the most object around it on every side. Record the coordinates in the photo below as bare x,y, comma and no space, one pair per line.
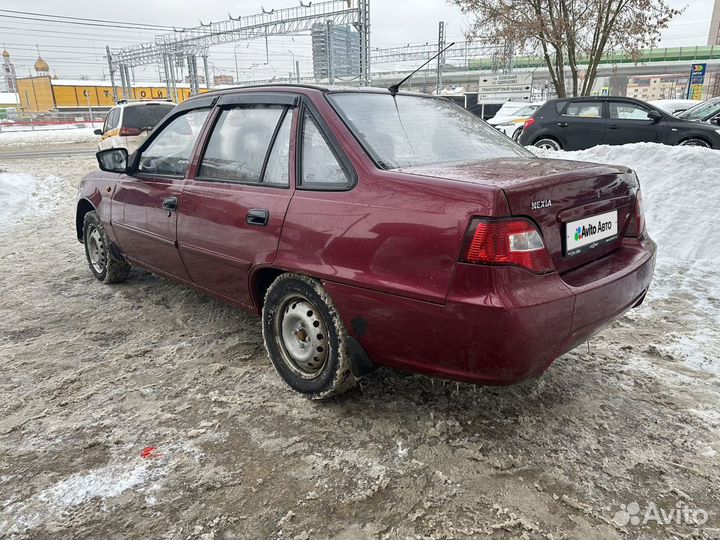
73,51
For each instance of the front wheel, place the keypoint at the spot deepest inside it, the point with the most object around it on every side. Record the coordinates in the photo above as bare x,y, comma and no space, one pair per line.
548,144
695,142
103,264
305,338
516,134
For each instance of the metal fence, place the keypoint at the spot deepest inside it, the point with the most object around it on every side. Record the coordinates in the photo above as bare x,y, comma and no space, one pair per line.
25,121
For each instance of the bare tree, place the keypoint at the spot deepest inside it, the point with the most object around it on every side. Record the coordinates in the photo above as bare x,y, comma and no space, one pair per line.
571,33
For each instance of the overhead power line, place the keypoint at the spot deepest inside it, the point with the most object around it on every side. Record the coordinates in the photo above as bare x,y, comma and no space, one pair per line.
81,20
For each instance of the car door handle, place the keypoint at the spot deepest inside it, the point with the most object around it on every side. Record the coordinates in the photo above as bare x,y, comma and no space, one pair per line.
562,124
613,126
257,216
170,204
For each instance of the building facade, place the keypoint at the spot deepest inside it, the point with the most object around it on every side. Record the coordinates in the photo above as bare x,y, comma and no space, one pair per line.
714,36
336,51
652,87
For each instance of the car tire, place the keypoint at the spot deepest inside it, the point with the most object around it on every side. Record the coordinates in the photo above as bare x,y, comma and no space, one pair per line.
546,143
516,134
695,141
103,264
305,338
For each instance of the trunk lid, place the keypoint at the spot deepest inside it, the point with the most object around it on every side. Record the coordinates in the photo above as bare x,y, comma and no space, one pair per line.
555,193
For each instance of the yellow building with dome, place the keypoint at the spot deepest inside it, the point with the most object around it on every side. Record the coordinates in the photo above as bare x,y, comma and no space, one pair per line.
43,93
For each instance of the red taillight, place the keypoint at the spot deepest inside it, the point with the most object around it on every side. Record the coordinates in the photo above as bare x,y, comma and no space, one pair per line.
506,242
129,132
528,123
636,227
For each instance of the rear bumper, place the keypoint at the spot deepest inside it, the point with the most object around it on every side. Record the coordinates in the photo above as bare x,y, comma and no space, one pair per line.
500,325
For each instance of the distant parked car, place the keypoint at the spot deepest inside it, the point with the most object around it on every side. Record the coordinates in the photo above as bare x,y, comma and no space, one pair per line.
584,122
674,106
707,111
371,228
512,123
490,108
128,124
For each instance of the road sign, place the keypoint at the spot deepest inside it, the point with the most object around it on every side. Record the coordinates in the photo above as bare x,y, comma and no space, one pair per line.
515,86
697,79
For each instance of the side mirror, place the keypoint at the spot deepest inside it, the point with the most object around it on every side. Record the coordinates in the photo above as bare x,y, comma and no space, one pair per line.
113,160
715,120
655,116
98,132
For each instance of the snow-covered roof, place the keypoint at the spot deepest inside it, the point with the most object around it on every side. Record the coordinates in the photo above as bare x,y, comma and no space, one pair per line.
8,98
83,82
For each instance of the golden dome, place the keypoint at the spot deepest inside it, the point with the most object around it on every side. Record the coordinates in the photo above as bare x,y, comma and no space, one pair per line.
5,54
41,65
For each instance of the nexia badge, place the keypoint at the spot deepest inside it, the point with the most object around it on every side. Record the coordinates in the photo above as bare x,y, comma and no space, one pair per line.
537,205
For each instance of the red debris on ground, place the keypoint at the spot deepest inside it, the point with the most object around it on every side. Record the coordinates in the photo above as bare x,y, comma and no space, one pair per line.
150,452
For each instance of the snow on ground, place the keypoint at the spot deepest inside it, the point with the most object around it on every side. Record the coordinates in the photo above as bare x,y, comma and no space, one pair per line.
47,135
681,197
93,374
23,194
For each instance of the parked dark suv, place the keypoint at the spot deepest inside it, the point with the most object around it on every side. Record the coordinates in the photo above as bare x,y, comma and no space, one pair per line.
579,123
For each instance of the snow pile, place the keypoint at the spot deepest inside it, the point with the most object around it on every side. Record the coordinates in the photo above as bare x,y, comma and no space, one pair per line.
23,194
681,196
681,191
59,135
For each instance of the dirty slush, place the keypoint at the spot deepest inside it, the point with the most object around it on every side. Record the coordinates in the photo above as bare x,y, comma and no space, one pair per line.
148,410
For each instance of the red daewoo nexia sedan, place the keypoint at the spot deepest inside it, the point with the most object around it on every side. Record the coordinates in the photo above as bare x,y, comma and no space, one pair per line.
369,228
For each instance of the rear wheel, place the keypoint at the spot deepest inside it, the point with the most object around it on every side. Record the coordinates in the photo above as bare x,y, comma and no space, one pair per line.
548,144
695,142
103,264
305,338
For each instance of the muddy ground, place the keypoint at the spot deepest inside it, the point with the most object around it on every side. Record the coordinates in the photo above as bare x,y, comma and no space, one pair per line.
147,410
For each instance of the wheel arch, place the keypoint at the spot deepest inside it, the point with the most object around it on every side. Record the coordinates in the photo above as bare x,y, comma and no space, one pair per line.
83,207
547,136
699,137
260,281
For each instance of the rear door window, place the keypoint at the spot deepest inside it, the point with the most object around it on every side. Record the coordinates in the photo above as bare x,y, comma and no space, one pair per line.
145,117
239,144
277,170
584,109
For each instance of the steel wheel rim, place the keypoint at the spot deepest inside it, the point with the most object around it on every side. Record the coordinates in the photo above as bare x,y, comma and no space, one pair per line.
301,335
96,250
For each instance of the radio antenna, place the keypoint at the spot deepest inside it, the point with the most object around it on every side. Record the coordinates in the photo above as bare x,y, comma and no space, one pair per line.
395,88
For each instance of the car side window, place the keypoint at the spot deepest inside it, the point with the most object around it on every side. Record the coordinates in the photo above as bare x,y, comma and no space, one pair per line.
320,167
277,170
111,120
628,111
239,143
169,152
584,109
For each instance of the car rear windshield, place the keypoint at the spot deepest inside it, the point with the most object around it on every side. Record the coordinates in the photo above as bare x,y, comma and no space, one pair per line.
407,131
145,116
702,111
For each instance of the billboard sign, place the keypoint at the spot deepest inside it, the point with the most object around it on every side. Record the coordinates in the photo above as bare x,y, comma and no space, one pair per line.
696,82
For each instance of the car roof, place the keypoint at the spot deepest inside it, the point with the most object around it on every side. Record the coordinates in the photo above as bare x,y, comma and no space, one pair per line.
145,102
305,88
